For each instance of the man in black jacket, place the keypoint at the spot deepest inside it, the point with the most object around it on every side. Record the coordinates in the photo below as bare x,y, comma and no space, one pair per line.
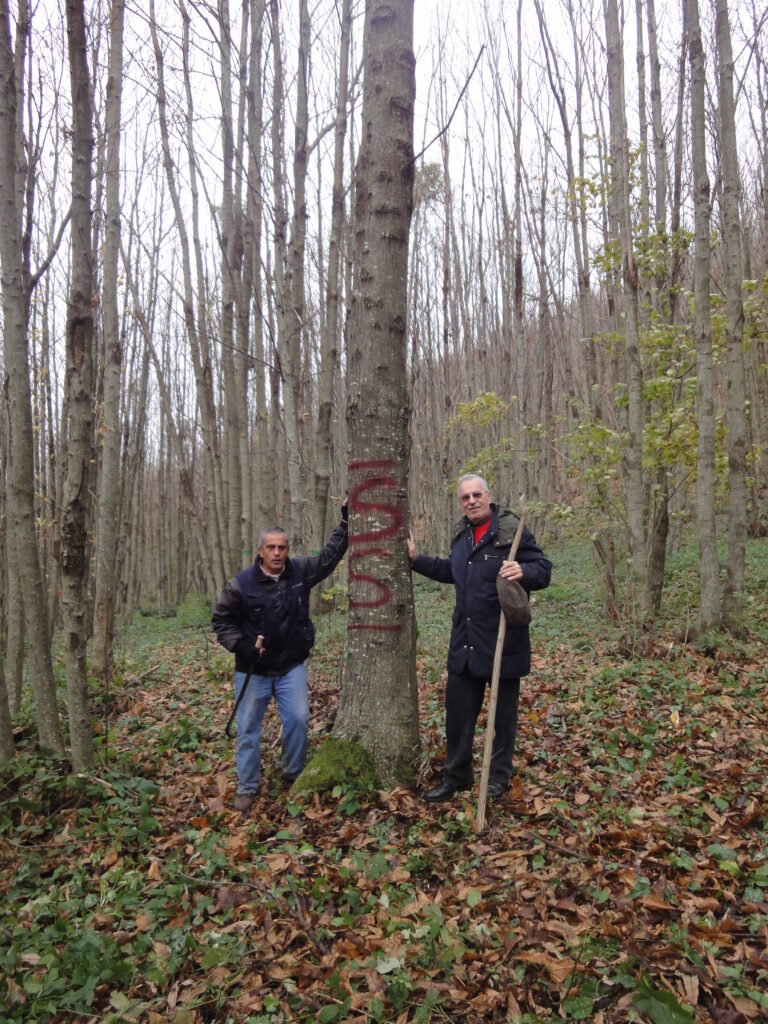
479,549
263,617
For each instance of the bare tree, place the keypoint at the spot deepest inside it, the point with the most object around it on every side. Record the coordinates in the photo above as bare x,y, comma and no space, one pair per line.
17,190
734,314
709,574
290,254
75,510
195,313
642,609
330,329
109,476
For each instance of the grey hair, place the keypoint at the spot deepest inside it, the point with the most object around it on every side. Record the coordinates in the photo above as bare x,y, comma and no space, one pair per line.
270,529
471,476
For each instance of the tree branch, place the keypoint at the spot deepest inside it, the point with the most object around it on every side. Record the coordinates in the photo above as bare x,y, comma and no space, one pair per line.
455,108
34,278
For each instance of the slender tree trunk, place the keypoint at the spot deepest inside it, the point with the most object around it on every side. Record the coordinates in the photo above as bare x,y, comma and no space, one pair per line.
642,608
289,258
255,218
379,701
109,490
709,571
231,261
16,289
15,626
659,149
79,388
194,309
7,746
248,371
185,472
330,329
734,324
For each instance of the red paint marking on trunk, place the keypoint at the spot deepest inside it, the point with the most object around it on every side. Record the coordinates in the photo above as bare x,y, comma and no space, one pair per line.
385,592
375,464
357,505
375,628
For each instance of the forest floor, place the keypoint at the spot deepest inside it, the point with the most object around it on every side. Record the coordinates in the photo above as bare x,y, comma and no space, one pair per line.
624,876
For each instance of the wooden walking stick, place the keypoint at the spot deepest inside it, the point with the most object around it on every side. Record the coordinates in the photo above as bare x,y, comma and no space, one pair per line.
491,726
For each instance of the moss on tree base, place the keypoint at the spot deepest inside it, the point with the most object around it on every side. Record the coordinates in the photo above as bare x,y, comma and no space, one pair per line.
338,763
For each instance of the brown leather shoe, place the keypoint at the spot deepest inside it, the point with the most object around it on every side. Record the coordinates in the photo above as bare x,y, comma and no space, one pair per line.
243,801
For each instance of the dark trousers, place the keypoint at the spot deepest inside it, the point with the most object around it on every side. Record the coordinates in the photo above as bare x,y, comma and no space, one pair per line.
463,700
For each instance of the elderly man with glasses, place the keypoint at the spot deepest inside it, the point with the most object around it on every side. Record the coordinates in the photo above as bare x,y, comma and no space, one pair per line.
479,553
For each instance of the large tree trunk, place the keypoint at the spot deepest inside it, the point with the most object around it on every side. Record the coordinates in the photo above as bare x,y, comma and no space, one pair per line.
79,389
16,290
379,701
109,489
734,324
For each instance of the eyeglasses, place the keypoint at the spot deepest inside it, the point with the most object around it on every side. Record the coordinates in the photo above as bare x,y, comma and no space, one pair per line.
464,498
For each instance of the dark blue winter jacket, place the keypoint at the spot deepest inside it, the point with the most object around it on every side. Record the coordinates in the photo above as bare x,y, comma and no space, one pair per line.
473,571
253,604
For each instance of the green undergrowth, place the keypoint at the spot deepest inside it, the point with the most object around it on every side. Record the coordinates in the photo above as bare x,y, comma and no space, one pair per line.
623,877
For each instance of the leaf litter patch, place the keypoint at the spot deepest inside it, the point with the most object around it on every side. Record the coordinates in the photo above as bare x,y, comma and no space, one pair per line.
624,875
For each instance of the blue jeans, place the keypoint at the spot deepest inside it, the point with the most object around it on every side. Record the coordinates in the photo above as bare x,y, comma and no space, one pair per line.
290,692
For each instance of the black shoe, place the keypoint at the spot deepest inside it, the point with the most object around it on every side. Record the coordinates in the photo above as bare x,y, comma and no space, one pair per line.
442,791
497,788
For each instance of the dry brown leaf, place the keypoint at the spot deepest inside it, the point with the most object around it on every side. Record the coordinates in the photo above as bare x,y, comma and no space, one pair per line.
691,988
654,902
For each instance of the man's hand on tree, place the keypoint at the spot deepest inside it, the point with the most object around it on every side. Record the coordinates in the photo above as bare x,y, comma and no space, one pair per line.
410,543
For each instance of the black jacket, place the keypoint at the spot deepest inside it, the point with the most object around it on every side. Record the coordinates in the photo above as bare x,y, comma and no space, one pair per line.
473,571
253,604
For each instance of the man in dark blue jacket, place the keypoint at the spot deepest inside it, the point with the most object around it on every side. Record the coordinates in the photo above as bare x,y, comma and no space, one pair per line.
263,617
479,550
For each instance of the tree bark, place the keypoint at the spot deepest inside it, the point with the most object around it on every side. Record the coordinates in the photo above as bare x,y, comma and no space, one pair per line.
230,243
7,746
16,290
109,489
289,258
330,329
709,571
642,609
734,324
75,511
379,704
